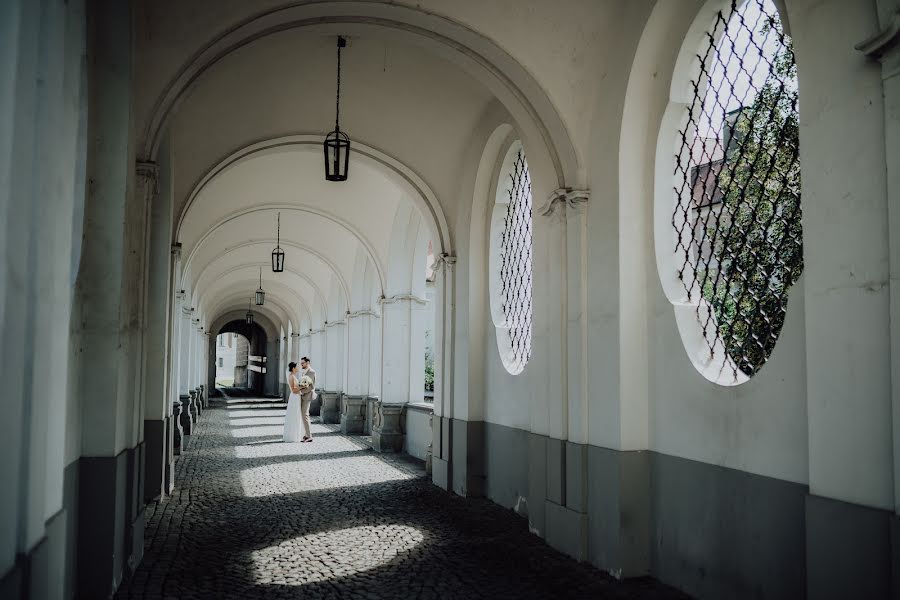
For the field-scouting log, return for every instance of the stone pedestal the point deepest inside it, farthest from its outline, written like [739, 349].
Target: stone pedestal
[176, 431]
[371, 401]
[204, 398]
[315, 407]
[331, 408]
[173, 434]
[387, 427]
[192, 407]
[187, 419]
[353, 414]
[198, 402]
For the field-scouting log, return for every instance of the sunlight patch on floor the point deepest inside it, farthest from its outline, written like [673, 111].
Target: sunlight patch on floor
[333, 554]
[244, 413]
[256, 421]
[309, 474]
[258, 431]
[275, 448]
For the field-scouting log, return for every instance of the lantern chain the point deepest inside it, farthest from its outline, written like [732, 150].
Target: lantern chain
[337, 108]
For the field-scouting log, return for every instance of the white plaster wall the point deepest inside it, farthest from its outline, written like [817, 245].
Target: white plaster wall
[418, 433]
[759, 426]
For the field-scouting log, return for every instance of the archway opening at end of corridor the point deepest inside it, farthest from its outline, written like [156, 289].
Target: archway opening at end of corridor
[240, 357]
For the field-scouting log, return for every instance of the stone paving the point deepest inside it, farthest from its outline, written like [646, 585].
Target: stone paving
[253, 517]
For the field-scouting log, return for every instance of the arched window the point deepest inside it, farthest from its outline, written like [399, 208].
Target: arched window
[511, 261]
[738, 242]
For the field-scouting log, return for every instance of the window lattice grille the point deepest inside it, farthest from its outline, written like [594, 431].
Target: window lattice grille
[516, 264]
[737, 216]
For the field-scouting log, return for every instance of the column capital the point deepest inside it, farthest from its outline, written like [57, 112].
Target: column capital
[884, 47]
[444, 260]
[176, 251]
[564, 197]
[148, 175]
[295, 335]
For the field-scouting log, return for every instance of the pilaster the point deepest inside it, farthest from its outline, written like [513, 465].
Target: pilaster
[403, 368]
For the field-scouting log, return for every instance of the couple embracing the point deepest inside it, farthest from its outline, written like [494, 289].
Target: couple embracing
[303, 392]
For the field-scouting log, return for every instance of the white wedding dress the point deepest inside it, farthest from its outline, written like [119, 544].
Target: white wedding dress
[292, 417]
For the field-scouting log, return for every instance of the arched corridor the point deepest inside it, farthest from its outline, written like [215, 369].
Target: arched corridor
[254, 518]
[604, 285]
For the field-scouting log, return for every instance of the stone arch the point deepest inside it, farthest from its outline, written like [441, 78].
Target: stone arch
[476, 54]
[186, 268]
[419, 191]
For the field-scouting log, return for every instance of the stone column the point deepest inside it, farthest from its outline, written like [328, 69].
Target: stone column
[184, 374]
[176, 363]
[334, 371]
[566, 505]
[281, 376]
[445, 353]
[295, 348]
[158, 449]
[318, 347]
[354, 406]
[108, 298]
[403, 367]
[403, 360]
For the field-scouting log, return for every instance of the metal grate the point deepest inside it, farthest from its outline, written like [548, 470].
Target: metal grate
[516, 264]
[739, 240]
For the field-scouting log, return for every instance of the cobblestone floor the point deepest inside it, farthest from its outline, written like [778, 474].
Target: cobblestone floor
[253, 517]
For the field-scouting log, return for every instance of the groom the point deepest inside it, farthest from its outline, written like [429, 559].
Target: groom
[307, 395]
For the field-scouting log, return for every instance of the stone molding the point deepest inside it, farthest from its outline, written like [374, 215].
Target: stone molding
[148, 175]
[333, 324]
[403, 298]
[363, 313]
[564, 197]
[444, 260]
[884, 47]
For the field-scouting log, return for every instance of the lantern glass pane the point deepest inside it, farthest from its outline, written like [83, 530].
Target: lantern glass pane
[337, 155]
[260, 297]
[278, 260]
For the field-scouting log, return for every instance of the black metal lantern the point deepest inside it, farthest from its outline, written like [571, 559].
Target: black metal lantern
[337, 143]
[249, 315]
[277, 257]
[260, 293]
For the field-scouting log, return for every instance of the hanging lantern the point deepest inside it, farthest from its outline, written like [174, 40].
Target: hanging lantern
[337, 143]
[277, 258]
[249, 315]
[260, 294]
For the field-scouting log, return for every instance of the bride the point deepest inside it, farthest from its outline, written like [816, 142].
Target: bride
[292, 418]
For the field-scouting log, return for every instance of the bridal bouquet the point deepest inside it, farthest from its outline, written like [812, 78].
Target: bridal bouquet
[305, 381]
